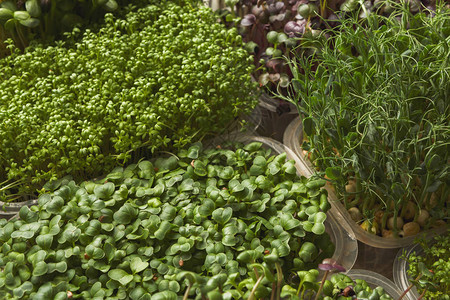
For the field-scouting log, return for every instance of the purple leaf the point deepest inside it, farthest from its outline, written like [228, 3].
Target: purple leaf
[339, 268]
[293, 28]
[279, 5]
[274, 64]
[325, 267]
[259, 12]
[279, 17]
[330, 264]
[275, 8]
[248, 20]
[272, 9]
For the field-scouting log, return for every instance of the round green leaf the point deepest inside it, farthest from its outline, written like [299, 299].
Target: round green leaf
[125, 214]
[31, 23]
[40, 269]
[207, 207]
[166, 295]
[21, 15]
[137, 265]
[6, 14]
[222, 215]
[33, 8]
[104, 191]
[121, 276]
[44, 241]
[164, 227]
[27, 215]
[25, 287]
[55, 205]
[272, 37]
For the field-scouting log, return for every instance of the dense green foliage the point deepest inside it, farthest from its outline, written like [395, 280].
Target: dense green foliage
[23, 21]
[343, 287]
[429, 268]
[159, 77]
[232, 221]
[375, 101]
[274, 29]
[339, 286]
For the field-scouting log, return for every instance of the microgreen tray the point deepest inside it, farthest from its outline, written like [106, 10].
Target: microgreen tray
[340, 233]
[8, 210]
[401, 278]
[346, 246]
[292, 139]
[374, 279]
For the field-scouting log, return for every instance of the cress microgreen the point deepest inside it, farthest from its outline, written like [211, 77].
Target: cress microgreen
[25, 21]
[157, 78]
[169, 231]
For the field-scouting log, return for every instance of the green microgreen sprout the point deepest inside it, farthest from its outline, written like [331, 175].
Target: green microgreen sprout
[150, 80]
[337, 287]
[328, 265]
[209, 223]
[428, 268]
[26, 21]
[423, 272]
[5, 188]
[303, 24]
[374, 124]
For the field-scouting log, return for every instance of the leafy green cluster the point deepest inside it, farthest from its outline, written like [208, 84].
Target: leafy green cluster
[159, 77]
[205, 222]
[434, 257]
[375, 100]
[275, 30]
[24, 21]
[339, 286]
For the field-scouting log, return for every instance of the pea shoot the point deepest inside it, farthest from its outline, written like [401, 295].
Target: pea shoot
[374, 106]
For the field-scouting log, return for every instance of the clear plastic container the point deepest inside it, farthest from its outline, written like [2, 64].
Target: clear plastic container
[272, 104]
[345, 242]
[292, 138]
[374, 279]
[252, 123]
[401, 278]
[275, 117]
[9, 210]
[214, 4]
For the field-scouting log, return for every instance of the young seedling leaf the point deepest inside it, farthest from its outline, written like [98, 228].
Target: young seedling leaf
[121, 276]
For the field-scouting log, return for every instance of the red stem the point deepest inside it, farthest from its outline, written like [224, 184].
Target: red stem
[321, 285]
[272, 296]
[279, 279]
[409, 288]
[421, 295]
